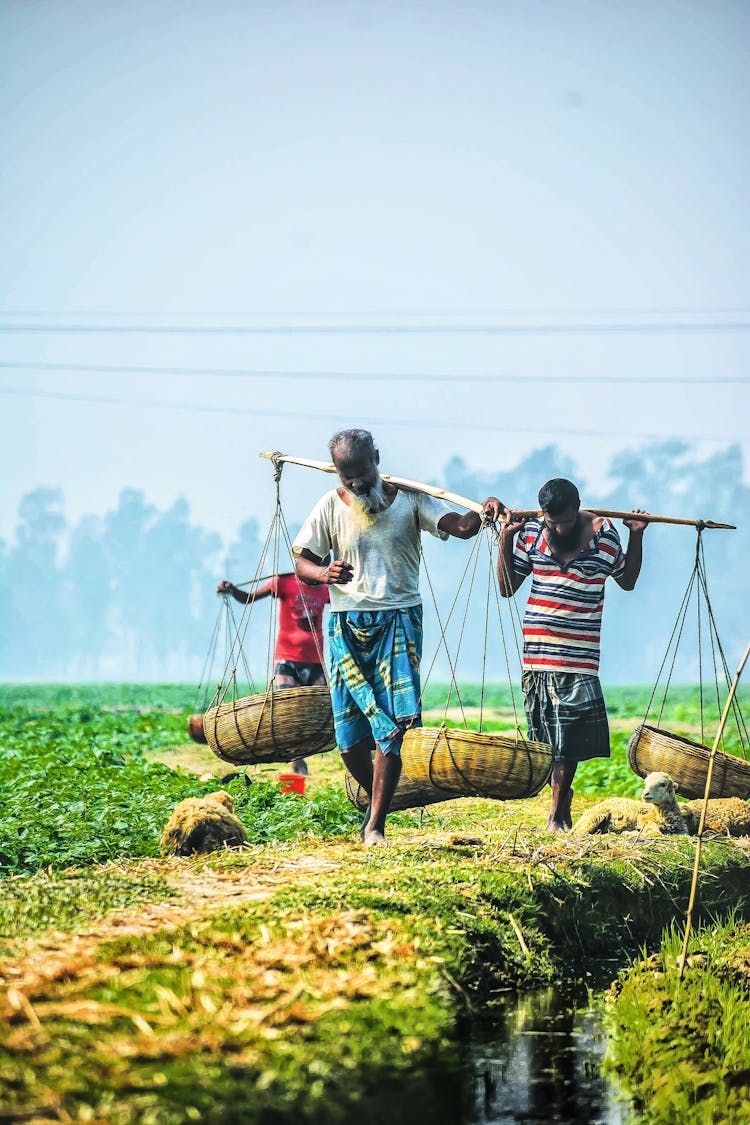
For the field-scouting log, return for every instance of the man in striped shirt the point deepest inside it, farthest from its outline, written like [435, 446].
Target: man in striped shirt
[570, 554]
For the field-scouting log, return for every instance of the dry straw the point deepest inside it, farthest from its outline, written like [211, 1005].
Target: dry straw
[651, 748]
[476, 764]
[275, 726]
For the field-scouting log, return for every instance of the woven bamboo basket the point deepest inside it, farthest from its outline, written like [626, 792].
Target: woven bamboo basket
[686, 762]
[476, 764]
[195, 728]
[277, 726]
[409, 794]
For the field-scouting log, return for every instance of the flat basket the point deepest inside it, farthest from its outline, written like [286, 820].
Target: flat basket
[275, 726]
[409, 794]
[471, 763]
[651, 748]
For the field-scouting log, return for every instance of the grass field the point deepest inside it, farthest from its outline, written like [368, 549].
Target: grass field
[305, 977]
[90, 773]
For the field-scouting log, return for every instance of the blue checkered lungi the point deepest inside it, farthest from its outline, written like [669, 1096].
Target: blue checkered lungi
[374, 680]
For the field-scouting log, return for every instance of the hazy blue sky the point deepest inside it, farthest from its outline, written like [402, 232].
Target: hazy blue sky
[527, 166]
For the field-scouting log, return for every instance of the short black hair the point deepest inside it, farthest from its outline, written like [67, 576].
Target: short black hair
[353, 439]
[557, 495]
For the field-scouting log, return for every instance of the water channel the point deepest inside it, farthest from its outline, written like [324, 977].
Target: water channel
[542, 1063]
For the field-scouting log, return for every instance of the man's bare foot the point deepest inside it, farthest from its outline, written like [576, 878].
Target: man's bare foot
[374, 839]
[365, 819]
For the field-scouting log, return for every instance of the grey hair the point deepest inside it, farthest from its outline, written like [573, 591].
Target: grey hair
[353, 439]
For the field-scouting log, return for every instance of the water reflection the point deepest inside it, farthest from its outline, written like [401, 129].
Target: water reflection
[542, 1063]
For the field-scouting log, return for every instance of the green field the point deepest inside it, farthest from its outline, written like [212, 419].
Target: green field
[305, 978]
[86, 771]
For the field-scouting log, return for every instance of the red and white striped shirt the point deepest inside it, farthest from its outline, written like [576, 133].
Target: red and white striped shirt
[563, 618]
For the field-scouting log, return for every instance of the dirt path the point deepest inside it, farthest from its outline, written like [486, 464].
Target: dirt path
[38, 962]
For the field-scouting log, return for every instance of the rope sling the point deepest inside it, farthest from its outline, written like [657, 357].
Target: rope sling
[653, 747]
[456, 758]
[279, 724]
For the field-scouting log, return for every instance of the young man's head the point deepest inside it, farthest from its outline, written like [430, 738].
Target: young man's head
[356, 459]
[560, 503]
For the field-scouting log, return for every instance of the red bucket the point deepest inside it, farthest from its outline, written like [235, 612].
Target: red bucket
[292, 782]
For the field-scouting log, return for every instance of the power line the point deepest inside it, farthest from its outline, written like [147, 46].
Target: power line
[383, 313]
[371, 376]
[445, 329]
[413, 423]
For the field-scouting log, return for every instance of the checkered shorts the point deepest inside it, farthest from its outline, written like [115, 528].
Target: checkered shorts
[567, 710]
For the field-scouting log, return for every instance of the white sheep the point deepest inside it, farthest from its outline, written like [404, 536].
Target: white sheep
[725, 816]
[657, 814]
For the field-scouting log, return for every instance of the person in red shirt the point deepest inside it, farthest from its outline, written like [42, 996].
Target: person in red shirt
[298, 655]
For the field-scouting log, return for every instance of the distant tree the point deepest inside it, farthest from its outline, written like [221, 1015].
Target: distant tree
[447, 565]
[5, 610]
[248, 557]
[516, 487]
[183, 562]
[163, 567]
[666, 478]
[243, 556]
[89, 594]
[38, 625]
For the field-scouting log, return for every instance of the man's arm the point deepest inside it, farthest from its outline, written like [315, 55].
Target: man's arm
[467, 525]
[311, 569]
[633, 554]
[243, 596]
[509, 579]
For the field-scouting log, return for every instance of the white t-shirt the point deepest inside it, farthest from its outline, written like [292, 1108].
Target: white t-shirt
[384, 557]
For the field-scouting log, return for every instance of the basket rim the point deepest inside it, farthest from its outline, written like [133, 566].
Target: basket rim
[285, 696]
[699, 748]
[480, 737]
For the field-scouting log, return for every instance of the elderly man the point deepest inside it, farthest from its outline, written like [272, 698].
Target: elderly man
[570, 554]
[371, 529]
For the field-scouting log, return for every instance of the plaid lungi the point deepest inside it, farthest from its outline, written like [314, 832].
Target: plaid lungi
[375, 687]
[567, 710]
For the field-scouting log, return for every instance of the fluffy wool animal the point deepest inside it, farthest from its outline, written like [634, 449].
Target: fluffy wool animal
[203, 824]
[726, 816]
[657, 814]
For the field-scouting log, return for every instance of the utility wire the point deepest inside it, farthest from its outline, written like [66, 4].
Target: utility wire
[413, 423]
[445, 329]
[242, 373]
[383, 313]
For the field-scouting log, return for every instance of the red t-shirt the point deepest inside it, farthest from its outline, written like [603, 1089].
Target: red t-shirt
[300, 619]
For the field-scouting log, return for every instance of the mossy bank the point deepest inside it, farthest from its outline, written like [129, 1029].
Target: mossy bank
[340, 982]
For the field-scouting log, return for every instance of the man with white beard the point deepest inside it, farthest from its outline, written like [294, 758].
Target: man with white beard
[371, 531]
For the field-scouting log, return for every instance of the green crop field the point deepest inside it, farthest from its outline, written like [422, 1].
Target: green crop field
[91, 773]
[306, 977]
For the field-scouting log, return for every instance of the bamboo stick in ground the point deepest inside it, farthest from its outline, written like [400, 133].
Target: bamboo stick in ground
[474, 506]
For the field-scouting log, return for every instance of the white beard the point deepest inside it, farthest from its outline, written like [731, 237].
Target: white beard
[364, 510]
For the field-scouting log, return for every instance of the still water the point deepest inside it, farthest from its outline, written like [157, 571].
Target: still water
[542, 1063]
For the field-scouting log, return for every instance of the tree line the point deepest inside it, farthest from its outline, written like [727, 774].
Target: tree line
[130, 595]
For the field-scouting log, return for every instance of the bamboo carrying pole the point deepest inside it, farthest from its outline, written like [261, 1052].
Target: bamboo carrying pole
[701, 825]
[473, 506]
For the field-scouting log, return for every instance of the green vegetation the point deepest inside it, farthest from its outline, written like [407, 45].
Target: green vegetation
[683, 1046]
[77, 788]
[322, 999]
[70, 900]
[329, 983]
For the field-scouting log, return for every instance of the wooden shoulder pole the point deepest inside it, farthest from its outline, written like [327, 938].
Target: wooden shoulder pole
[473, 506]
